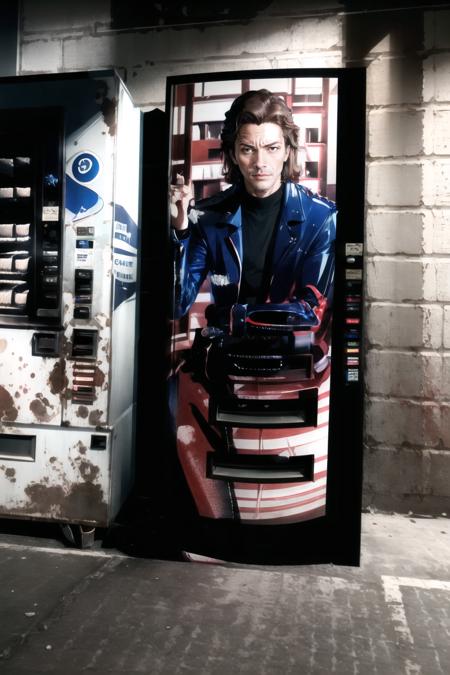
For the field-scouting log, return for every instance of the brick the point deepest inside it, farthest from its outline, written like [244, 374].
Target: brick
[436, 29]
[445, 389]
[394, 184]
[394, 80]
[437, 231]
[85, 53]
[47, 15]
[406, 374]
[395, 133]
[436, 77]
[395, 280]
[395, 232]
[439, 473]
[391, 325]
[445, 425]
[436, 182]
[447, 327]
[394, 422]
[41, 56]
[395, 471]
[435, 131]
[443, 280]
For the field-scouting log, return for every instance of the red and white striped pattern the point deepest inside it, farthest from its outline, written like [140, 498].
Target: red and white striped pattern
[267, 503]
[286, 502]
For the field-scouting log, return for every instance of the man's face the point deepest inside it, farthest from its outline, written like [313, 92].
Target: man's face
[260, 152]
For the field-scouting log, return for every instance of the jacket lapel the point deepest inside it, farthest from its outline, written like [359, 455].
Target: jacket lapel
[287, 237]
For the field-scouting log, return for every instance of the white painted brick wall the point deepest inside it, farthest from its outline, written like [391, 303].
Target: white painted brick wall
[408, 195]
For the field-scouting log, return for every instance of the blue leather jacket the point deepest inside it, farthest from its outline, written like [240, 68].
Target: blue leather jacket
[303, 252]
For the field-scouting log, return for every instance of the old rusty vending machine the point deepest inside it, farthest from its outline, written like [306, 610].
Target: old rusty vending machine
[69, 204]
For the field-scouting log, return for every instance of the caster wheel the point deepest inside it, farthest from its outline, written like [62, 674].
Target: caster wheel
[79, 536]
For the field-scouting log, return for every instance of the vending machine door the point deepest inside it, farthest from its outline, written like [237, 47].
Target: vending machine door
[266, 391]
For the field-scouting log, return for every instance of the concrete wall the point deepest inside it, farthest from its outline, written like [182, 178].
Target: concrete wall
[407, 54]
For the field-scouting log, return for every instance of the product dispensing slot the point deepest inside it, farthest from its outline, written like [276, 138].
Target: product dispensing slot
[83, 286]
[19, 447]
[300, 411]
[260, 468]
[84, 343]
[45, 344]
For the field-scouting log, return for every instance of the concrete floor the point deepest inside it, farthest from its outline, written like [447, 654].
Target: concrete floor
[68, 612]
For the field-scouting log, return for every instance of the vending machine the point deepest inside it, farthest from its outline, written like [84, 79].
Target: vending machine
[267, 409]
[69, 238]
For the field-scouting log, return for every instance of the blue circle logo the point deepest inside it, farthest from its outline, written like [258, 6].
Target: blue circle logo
[85, 167]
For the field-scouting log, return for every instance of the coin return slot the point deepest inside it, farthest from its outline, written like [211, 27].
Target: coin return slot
[98, 442]
[45, 344]
[84, 343]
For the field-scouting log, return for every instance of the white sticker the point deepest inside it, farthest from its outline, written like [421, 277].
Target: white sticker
[84, 258]
[352, 375]
[50, 213]
[353, 274]
[354, 249]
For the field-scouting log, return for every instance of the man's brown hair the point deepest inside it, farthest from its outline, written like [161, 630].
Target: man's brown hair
[258, 107]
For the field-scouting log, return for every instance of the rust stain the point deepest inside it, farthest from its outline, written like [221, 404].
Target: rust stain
[3, 345]
[39, 410]
[82, 411]
[95, 417]
[58, 380]
[107, 106]
[88, 471]
[82, 449]
[10, 475]
[83, 501]
[99, 377]
[8, 410]
[52, 459]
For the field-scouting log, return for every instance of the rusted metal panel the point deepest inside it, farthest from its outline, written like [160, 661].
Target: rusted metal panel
[66, 480]
[32, 387]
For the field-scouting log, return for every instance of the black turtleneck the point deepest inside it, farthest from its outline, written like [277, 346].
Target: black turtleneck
[259, 218]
